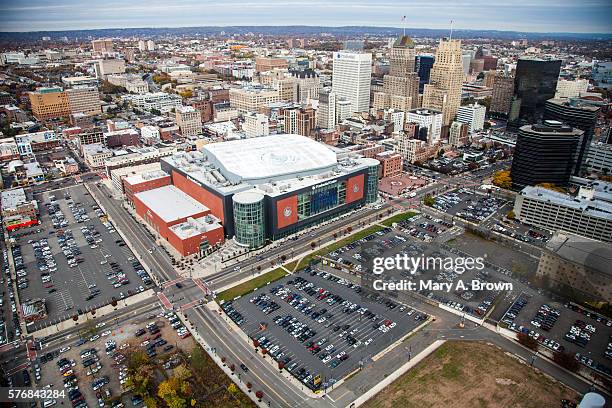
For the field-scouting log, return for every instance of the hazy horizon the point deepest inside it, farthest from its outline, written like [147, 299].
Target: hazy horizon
[537, 16]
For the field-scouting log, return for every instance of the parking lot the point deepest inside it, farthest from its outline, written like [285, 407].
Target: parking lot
[321, 327]
[389, 242]
[93, 370]
[74, 259]
[564, 327]
[470, 206]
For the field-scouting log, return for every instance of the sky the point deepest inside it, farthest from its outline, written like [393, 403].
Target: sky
[579, 16]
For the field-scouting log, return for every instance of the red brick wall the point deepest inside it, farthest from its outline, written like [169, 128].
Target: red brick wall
[200, 194]
[131, 189]
[192, 245]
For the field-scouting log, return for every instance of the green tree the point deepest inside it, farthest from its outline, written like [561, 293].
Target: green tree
[429, 200]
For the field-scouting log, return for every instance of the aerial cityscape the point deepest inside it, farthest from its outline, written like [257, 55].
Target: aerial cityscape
[333, 204]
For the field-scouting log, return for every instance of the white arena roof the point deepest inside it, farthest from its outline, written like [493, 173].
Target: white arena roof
[170, 203]
[270, 157]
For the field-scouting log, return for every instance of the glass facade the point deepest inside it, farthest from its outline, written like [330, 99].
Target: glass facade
[321, 199]
[249, 225]
[372, 184]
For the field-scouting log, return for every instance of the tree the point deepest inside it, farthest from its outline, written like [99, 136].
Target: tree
[502, 179]
[428, 200]
[567, 361]
[313, 245]
[551, 186]
[511, 215]
[232, 389]
[249, 386]
[168, 390]
[527, 341]
[259, 395]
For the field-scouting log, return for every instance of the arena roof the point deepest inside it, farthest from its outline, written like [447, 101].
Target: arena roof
[270, 157]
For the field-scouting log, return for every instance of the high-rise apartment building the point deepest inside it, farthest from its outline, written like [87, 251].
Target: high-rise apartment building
[546, 153]
[443, 92]
[142, 45]
[102, 46]
[401, 85]
[150, 45]
[189, 120]
[351, 78]
[473, 116]
[326, 112]
[501, 99]
[535, 82]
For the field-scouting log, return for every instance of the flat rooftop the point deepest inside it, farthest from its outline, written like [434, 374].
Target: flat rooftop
[170, 203]
[146, 176]
[594, 255]
[196, 226]
[11, 199]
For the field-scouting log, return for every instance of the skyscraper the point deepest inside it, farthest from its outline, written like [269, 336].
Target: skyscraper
[535, 82]
[443, 92]
[351, 78]
[422, 66]
[577, 113]
[102, 46]
[503, 86]
[546, 153]
[326, 112]
[401, 85]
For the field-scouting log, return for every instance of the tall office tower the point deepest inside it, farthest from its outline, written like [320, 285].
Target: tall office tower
[102, 46]
[443, 92]
[84, 99]
[489, 78]
[535, 82]
[501, 99]
[546, 153]
[142, 45]
[401, 85]
[422, 66]
[326, 112]
[351, 78]
[578, 113]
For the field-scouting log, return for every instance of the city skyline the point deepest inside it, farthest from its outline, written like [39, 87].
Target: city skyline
[539, 16]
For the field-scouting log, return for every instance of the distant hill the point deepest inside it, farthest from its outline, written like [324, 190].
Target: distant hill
[293, 31]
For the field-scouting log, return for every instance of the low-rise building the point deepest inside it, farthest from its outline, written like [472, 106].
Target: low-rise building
[95, 155]
[573, 263]
[160, 101]
[17, 210]
[8, 149]
[589, 214]
[599, 158]
[391, 164]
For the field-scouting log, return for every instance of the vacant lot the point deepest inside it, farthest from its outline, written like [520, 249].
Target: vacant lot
[467, 375]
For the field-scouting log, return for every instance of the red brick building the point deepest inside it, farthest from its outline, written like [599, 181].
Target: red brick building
[391, 164]
[144, 182]
[184, 222]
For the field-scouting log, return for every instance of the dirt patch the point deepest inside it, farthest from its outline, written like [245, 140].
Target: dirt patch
[467, 375]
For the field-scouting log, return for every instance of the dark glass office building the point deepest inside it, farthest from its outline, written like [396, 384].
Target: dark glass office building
[535, 81]
[422, 66]
[545, 153]
[578, 113]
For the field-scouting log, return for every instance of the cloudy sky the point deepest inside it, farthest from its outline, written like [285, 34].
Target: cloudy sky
[520, 15]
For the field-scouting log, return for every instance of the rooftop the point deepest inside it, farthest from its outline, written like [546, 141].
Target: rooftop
[11, 199]
[594, 255]
[170, 203]
[196, 226]
[146, 176]
[593, 207]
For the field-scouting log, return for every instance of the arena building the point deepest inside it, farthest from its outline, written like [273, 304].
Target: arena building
[265, 188]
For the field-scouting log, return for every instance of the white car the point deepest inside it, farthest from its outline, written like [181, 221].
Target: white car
[101, 324]
[106, 333]
[64, 349]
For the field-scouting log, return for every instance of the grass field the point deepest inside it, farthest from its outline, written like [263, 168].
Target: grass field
[249, 286]
[468, 375]
[398, 218]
